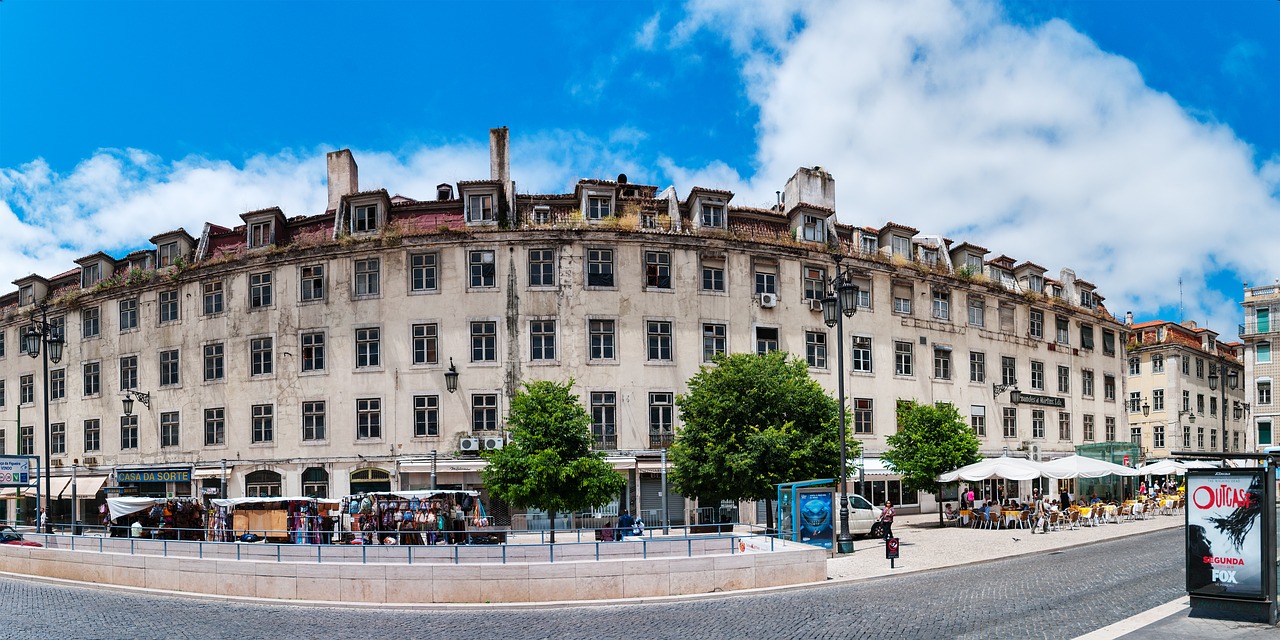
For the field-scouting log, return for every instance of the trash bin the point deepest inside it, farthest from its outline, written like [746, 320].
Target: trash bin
[77, 529]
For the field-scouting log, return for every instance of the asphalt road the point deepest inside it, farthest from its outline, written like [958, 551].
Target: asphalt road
[1059, 594]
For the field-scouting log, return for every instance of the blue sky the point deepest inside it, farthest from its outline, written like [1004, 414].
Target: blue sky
[1137, 143]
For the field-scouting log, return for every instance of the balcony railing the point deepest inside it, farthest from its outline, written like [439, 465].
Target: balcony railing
[605, 442]
[661, 440]
[1253, 327]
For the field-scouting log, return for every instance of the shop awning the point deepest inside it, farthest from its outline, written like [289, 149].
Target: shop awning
[875, 467]
[12, 493]
[85, 487]
[444, 466]
[215, 472]
[621, 462]
[58, 485]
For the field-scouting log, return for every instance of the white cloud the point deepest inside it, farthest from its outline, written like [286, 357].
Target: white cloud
[1029, 141]
[648, 33]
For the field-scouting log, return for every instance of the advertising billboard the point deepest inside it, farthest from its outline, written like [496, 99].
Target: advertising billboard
[1224, 533]
[15, 471]
[816, 527]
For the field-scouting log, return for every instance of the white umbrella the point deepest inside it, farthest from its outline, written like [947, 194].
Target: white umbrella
[1163, 468]
[1201, 464]
[1002, 467]
[1082, 467]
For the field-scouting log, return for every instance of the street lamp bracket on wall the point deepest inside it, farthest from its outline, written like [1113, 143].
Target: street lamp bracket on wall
[130, 395]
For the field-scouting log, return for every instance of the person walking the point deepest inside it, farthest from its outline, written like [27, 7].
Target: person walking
[1042, 516]
[886, 519]
[43, 524]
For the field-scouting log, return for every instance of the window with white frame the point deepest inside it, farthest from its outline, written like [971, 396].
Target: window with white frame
[1157, 436]
[484, 269]
[978, 420]
[368, 277]
[814, 228]
[364, 219]
[1064, 379]
[542, 268]
[766, 278]
[1157, 363]
[260, 234]
[815, 349]
[869, 244]
[713, 275]
[657, 270]
[903, 358]
[422, 272]
[426, 343]
[766, 340]
[90, 322]
[714, 340]
[484, 341]
[712, 216]
[815, 283]
[170, 429]
[1108, 387]
[1087, 427]
[368, 347]
[658, 333]
[900, 246]
[261, 357]
[480, 208]
[262, 423]
[1064, 426]
[1037, 424]
[601, 339]
[91, 274]
[977, 311]
[1009, 422]
[599, 267]
[92, 435]
[259, 290]
[1109, 423]
[542, 340]
[91, 373]
[1086, 383]
[902, 298]
[1063, 325]
[863, 416]
[604, 423]
[977, 366]
[213, 298]
[661, 419]
[1037, 375]
[1157, 399]
[311, 282]
[1035, 326]
[214, 362]
[599, 207]
[942, 363]
[313, 351]
[129, 432]
[426, 416]
[169, 368]
[941, 304]
[484, 412]
[860, 355]
[1264, 392]
[57, 384]
[168, 253]
[168, 305]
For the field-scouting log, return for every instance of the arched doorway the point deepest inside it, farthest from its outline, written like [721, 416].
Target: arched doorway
[315, 483]
[369, 480]
[263, 484]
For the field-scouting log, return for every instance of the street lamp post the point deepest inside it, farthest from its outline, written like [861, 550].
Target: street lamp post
[1218, 382]
[840, 302]
[41, 332]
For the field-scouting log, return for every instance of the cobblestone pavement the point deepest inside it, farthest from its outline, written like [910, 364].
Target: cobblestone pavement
[1060, 594]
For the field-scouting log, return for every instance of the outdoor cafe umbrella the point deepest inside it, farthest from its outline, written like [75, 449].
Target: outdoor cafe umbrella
[1082, 467]
[1002, 467]
[1163, 468]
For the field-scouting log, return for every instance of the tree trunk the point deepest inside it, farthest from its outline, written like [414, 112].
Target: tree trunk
[553, 525]
[941, 522]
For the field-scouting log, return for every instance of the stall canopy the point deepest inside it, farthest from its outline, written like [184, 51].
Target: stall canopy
[421, 494]
[1081, 467]
[121, 507]
[1163, 468]
[1002, 467]
[85, 487]
[237, 502]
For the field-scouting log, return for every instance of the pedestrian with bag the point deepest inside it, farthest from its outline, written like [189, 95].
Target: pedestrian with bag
[886, 519]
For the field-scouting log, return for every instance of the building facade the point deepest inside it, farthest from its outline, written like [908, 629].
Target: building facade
[1186, 390]
[316, 354]
[1259, 333]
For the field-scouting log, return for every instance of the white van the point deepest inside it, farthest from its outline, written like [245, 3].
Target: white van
[863, 517]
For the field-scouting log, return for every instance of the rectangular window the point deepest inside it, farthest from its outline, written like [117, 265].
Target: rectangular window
[1157, 400]
[1186, 401]
[426, 416]
[483, 268]
[766, 340]
[129, 432]
[92, 374]
[714, 341]
[128, 314]
[1135, 435]
[978, 420]
[312, 280]
[542, 268]
[1064, 426]
[1063, 325]
[815, 283]
[261, 360]
[215, 427]
[1135, 401]
[766, 278]
[168, 303]
[263, 423]
[941, 305]
[903, 358]
[1087, 426]
[598, 207]
[1135, 366]
[1086, 336]
[170, 429]
[860, 355]
[814, 229]
[1264, 434]
[364, 219]
[1110, 426]
[713, 275]
[426, 343]
[1009, 422]
[869, 244]
[661, 420]
[260, 234]
[900, 246]
[1064, 379]
[1109, 387]
[657, 270]
[90, 275]
[368, 347]
[659, 340]
[213, 298]
[977, 312]
[1186, 366]
[313, 421]
[422, 272]
[92, 435]
[815, 349]
[2, 400]
[368, 418]
[58, 438]
[1037, 376]
[1008, 371]
[259, 290]
[712, 216]
[368, 277]
[169, 368]
[1108, 343]
[484, 412]
[1157, 363]
[26, 441]
[1036, 324]
[1086, 383]
[602, 339]
[484, 342]
[480, 208]
[1157, 436]
[1263, 351]
[604, 425]
[27, 389]
[1200, 367]
[1200, 403]
[977, 366]
[942, 363]
[542, 340]
[58, 384]
[1006, 313]
[1037, 424]
[902, 298]
[600, 267]
[128, 372]
[1264, 393]
[313, 350]
[541, 214]
[863, 416]
[90, 323]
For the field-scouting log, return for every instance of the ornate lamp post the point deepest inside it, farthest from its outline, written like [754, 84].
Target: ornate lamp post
[840, 302]
[41, 332]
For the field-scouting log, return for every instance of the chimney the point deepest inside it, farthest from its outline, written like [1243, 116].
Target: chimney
[500, 156]
[813, 186]
[343, 176]
[1128, 318]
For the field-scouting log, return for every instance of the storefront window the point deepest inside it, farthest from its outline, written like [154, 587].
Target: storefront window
[263, 484]
[315, 483]
[367, 480]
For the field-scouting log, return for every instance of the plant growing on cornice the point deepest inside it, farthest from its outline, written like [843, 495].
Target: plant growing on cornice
[69, 298]
[109, 283]
[392, 234]
[140, 277]
[967, 273]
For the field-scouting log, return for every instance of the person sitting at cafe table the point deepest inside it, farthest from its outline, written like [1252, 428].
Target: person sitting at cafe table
[950, 513]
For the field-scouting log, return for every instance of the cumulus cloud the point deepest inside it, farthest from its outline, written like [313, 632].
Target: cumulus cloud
[1029, 140]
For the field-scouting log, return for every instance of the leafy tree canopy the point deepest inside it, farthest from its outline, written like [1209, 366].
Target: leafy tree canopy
[931, 440]
[549, 463]
[750, 422]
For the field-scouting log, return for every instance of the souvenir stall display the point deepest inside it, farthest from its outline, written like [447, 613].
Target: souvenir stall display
[157, 518]
[418, 517]
[298, 520]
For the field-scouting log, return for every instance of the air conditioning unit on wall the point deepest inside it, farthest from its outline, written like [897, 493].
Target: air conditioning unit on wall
[815, 305]
[768, 300]
[1035, 453]
[469, 444]
[493, 442]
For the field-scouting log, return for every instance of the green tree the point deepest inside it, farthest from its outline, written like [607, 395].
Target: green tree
[931, 440]
[750, 422]
[549, 463]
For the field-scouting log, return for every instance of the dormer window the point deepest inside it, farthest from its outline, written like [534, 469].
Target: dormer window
[598, 207]
[480, 208]
[541, 214]
[901, 246]
[90, 275]
[168, 253]
[1036, 283]
[712, 216]
[1086, 299]
[814, 228]
[973, 262]
[365, 219]
[930, 257]
[870, 244]
[260, 234]
[26, 296]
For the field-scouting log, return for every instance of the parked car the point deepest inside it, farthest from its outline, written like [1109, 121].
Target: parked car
[863, 517]
[9, 536]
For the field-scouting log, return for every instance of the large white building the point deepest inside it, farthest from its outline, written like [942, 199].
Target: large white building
[1260, 334]
[310, 354]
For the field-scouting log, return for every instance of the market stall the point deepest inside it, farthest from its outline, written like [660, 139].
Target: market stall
[159, 518]
[419, 517]
[296, 519]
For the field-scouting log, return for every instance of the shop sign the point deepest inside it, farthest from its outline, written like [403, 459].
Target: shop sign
[154, 475]
[15, 471]
[1224, 533]
[1017, 397]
